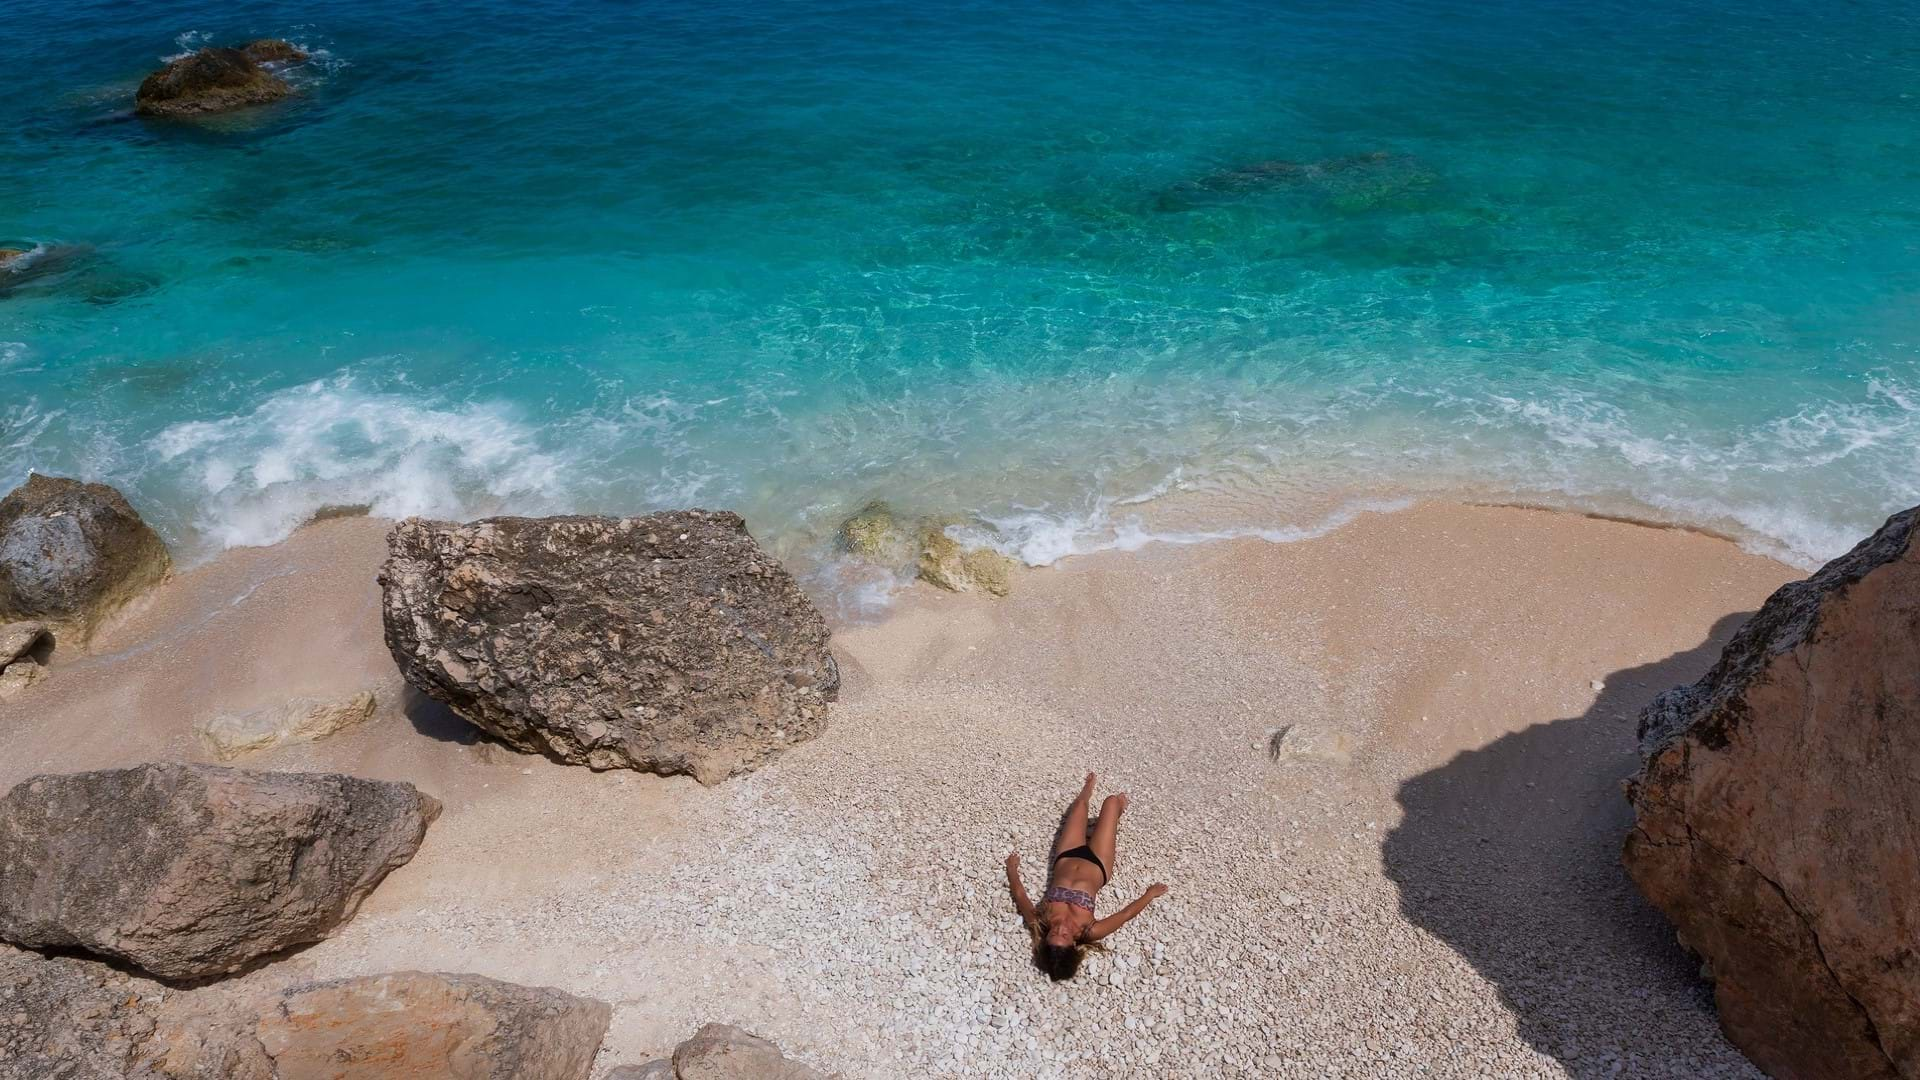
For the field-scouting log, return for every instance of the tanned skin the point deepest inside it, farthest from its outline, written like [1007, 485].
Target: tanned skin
[1066, 924]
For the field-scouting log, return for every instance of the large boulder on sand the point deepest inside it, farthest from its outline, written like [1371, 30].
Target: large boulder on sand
[401, 1024]
[216, 79]
[66, 1017]
[73, 553]
[669, 642]
[190, 871]
[1778, 819]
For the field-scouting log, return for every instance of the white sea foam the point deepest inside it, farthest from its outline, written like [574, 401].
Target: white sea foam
[259, 475]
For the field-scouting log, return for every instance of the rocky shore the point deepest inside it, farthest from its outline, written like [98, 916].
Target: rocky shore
[1380, 770]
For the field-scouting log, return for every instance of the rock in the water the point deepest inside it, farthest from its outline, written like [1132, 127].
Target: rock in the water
[669, 642]
[190, 871]
[7, 255]
[874, 534]
[1776, 819]
[413, 1023]
[73, 553]
[301, 720]
[215, 80]
[944, 562]
[273, 51]
[72, 1018]
[725, 1052]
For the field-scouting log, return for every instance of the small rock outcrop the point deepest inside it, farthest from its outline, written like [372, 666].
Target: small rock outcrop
[192, 871]
[945, 563]
[421, 1024]
[1776, 819]
[669, 642]
[66, 1017]
[230, 735]
[216, 80]
[721, 1052]
[876, 535]
[24, 648]
[72, 553]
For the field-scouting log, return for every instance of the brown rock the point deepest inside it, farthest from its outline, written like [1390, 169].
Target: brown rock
[72, 553]
[1778, 819]
[229, 735]
[209, 81]
[7, 255]
[24, 648]
[190, 871]
[417, 1024]
[725, 1052]
[70, 1018]
[669, 642]
[273, 51]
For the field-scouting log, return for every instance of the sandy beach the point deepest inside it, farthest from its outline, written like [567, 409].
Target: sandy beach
[1419, 878]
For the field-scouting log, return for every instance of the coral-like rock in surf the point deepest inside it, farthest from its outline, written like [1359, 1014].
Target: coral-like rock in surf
[669, 642]
[877, 536]
[216, 79]
[945, 563]
[874, 534]
[1778, 819]
[72, 553]
[191, 871]
[230, 735]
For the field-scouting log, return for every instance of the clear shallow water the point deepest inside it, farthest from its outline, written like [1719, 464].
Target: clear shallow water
[977, 258]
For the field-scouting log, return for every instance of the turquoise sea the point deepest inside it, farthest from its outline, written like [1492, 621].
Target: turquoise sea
[1092, 273]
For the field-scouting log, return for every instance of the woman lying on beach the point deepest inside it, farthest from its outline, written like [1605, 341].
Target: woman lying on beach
[1064, 925]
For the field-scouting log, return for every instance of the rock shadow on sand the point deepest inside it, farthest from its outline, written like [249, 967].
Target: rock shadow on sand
[1510, 854]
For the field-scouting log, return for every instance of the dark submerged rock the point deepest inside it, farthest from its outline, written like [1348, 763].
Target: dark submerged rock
[1776, 818]
[192, 871]
[670, 642]
[72, 553]
[216, 79]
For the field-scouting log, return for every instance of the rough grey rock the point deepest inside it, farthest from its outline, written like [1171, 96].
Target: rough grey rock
[72, 1019]
[216, 80]
[229, 735]
[669, 642]
[1776, 819]
[725, 1052]
[72, 553]
[190, 871]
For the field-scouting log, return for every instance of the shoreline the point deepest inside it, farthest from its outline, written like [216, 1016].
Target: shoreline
[1422, 881]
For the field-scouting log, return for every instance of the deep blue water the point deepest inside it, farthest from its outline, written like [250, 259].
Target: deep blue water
[1030, 263]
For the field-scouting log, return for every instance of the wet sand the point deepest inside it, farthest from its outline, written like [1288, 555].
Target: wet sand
[1419, 878]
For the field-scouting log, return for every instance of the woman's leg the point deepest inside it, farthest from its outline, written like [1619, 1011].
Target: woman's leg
[1107, 829]
[1073, 827]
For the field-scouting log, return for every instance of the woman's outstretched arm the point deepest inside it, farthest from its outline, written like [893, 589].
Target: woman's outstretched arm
[1020, 900]
[1120, 918]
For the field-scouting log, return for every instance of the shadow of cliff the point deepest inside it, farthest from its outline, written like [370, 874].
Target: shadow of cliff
[1510, 854]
